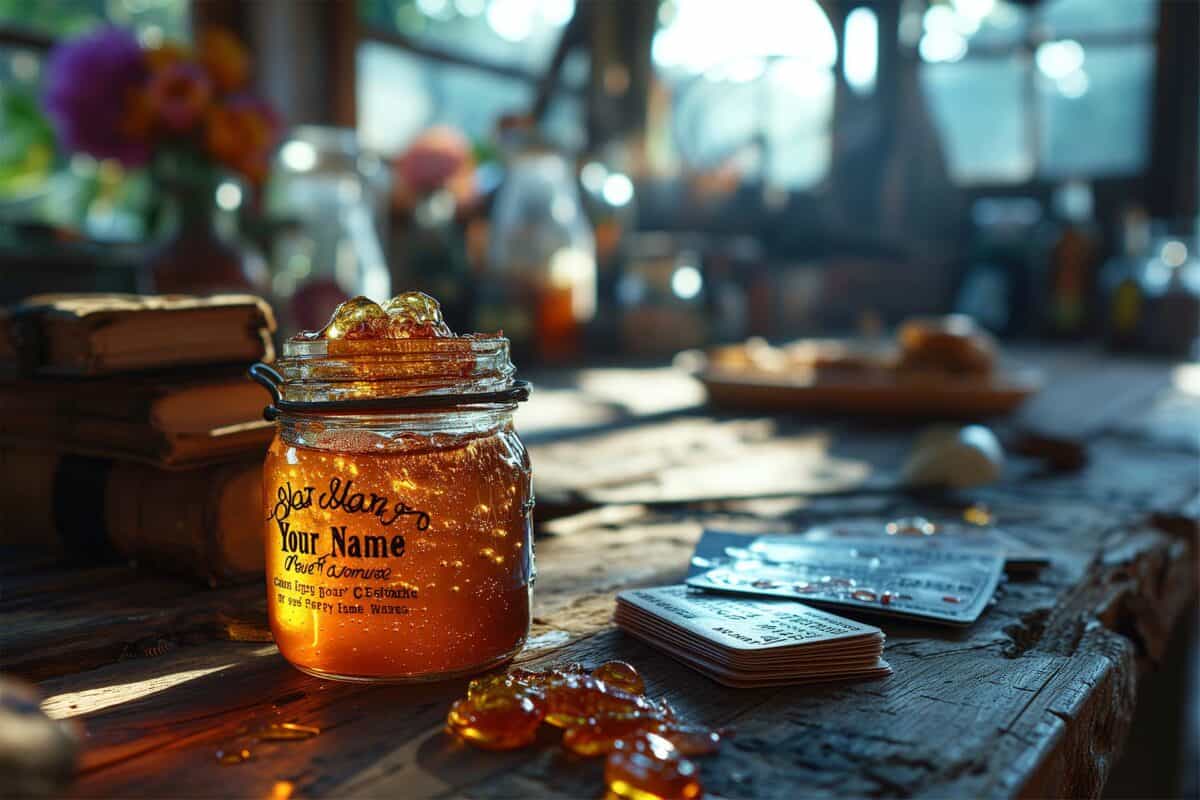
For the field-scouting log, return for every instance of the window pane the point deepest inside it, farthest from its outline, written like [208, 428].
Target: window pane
[696, 36]
[799, 115]
[1083, 17]
[979, 107]
[1109, 93]
[400, 94]
[515, 32]
[152, 19]
[1003, 22]
[714, 119]
[949, 29]
[755, 87]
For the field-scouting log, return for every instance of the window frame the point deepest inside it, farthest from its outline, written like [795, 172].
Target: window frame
[1025, 49]
[546, 85]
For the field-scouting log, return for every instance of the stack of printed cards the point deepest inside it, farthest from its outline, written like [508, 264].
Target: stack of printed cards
[923, 580]
[748, 643]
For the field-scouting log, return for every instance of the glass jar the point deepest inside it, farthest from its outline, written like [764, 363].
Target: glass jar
[327, 201]
[398, 505]
[540, 283]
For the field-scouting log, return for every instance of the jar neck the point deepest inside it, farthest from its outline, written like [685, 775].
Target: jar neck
[395, 432]
[321, 370]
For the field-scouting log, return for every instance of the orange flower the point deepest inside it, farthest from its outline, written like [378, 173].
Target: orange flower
[255, 167]
[180, 94]
[240, 134]
[222, 55]
[138, 120]
[167, 54]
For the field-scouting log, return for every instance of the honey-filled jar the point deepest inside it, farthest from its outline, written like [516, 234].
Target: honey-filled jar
[397, 497]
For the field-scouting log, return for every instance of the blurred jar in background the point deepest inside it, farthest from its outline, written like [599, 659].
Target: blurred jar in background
[662, 296]
[1171, 285]
[1074, 261]
[328, 198]
[609, 200]
[539, 285]
[1153, 293]
[1120, 282]
[434, 190]
[1009, 252]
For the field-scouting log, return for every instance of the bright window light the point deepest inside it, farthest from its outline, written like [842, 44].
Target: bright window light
[860, 59]
[1057, 60]
[686, 282]
[618, 189]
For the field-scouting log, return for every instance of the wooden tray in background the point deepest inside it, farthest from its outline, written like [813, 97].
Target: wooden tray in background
[872, 394]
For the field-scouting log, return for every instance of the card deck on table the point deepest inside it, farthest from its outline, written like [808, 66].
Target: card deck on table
[1019, 557]
[922, 580]
[745, 642]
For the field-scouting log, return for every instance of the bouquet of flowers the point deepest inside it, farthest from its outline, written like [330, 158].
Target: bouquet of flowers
[174, 108]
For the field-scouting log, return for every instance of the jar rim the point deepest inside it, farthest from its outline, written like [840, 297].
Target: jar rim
[318, 371]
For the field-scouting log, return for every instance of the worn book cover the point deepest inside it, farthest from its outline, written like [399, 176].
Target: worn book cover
[102, 334]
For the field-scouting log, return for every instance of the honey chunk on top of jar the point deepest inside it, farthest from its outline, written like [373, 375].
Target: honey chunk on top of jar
[411, 315]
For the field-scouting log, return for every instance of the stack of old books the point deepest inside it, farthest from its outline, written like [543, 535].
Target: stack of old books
[128, 427]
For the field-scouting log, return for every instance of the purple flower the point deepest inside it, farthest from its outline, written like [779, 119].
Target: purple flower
[88, 83]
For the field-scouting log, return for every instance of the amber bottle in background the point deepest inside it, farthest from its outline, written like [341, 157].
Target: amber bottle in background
[539, 285]
[1074, 262]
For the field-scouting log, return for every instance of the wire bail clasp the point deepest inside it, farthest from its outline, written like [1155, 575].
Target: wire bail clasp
[270, 379]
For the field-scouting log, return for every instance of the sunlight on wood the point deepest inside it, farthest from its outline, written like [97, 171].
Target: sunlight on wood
[89, 701]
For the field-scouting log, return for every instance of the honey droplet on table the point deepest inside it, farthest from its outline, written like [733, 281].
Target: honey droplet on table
[622, 675]
[576, 700]
[692, 740]
[287, 732]
[496, 719]
[648, 767]
[231, 757]
[979, 515]
[598, 739]
[910, 526]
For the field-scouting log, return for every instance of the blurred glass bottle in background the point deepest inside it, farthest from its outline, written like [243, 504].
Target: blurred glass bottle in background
[609, 199]
[328, 198]
[1120, 282]
[539, 285]
[1074, 260]
[1009, 249]
[1171, 286]
[1152, 291]
[662, 298]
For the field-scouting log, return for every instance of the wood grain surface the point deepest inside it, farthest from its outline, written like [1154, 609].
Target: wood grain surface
[1035, 699]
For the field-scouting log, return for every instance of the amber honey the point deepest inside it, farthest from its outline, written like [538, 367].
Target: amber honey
[398, 536]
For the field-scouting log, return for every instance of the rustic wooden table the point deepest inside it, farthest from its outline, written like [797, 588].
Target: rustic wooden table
[1034, 699]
